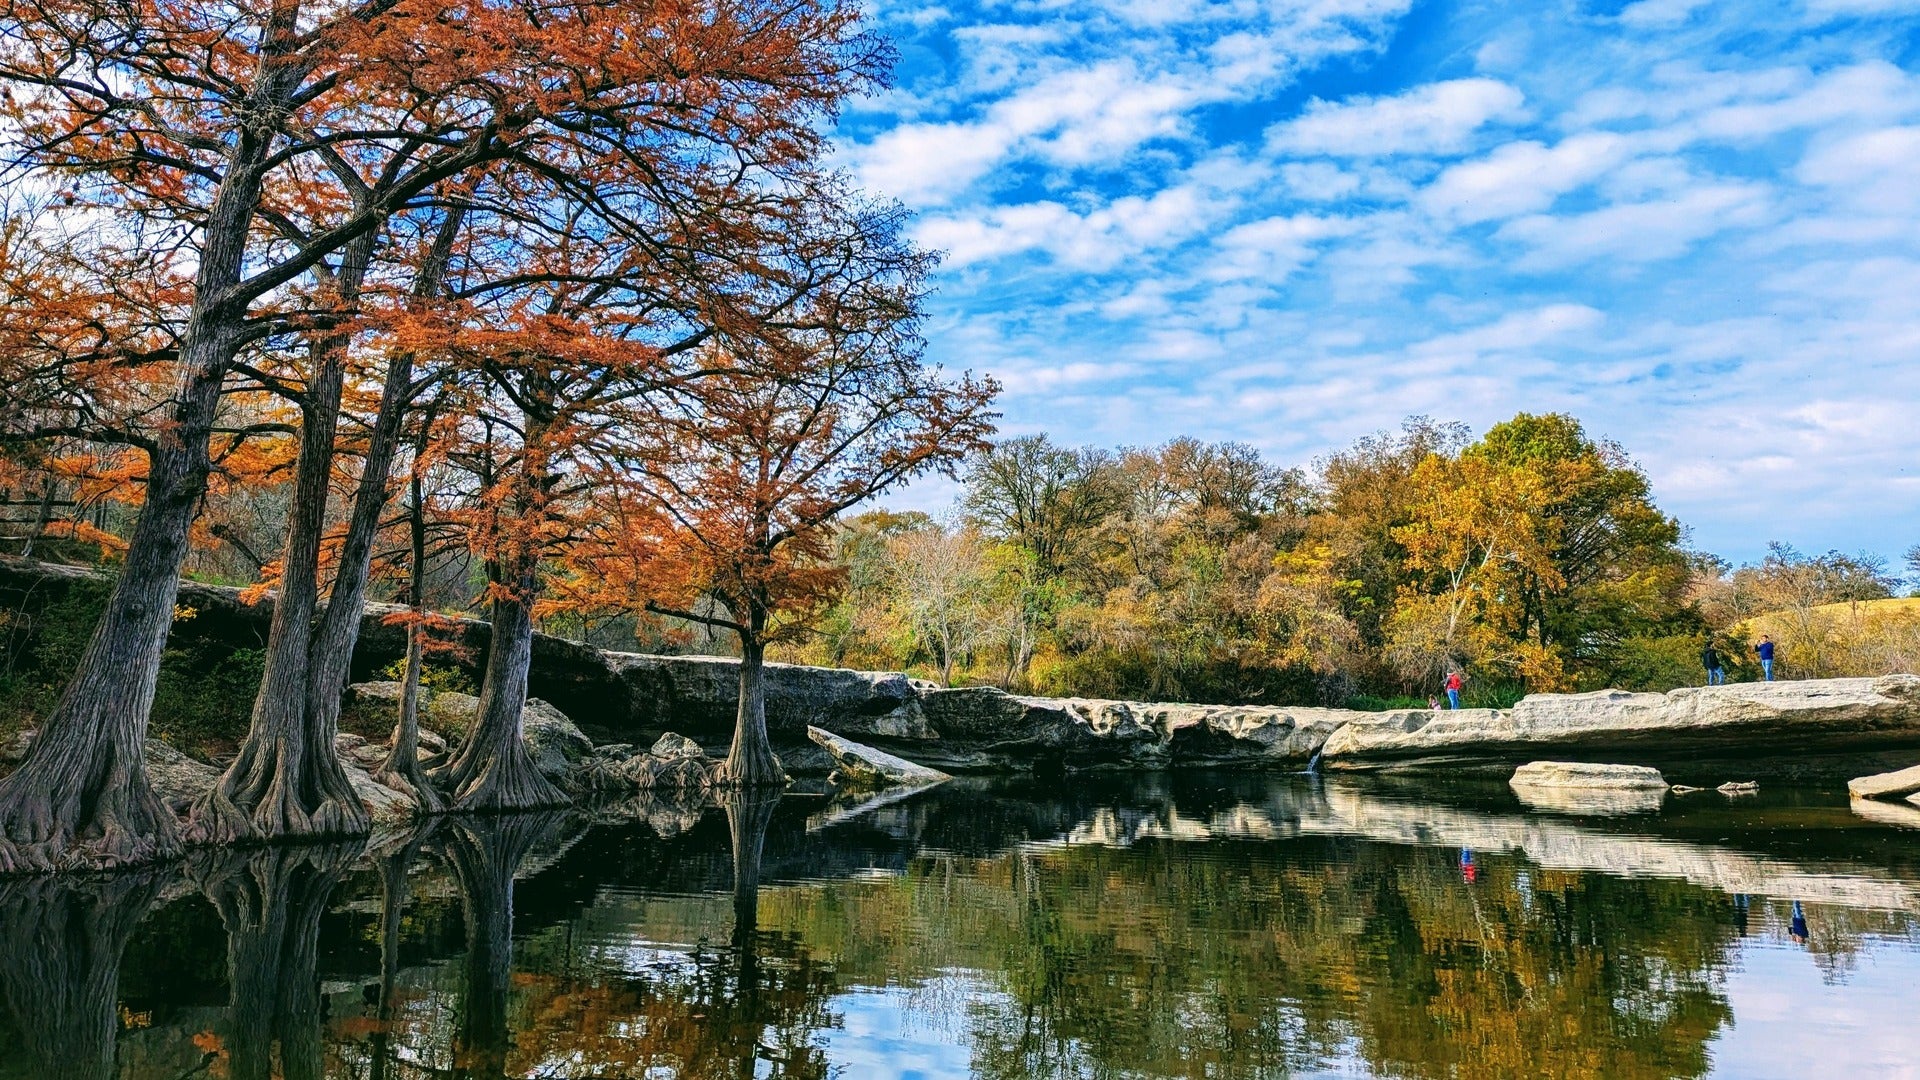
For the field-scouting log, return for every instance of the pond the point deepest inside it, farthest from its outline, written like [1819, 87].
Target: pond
[1184, 926]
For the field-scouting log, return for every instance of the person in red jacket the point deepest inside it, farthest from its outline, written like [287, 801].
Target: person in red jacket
[1455, 680]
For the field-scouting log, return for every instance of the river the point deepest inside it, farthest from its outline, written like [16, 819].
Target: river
[1183, 926]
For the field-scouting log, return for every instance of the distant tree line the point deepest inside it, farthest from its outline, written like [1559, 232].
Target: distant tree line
[1533, 558]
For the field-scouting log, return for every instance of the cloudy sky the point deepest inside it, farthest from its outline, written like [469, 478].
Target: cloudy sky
[1694, 224]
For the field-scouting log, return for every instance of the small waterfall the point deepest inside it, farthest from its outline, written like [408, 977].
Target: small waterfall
[1313, 764]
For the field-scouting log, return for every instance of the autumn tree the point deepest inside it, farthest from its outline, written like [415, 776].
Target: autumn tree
[274, 145]
[734, 490]
[1537, 551]
[1049, 499]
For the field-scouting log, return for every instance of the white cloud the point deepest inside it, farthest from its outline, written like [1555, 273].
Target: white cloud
[1522, 176]
[1877, 170]
[1638, 232]
[1436, 118]
[1273, 248]
[1648, 14]
[1318, 181]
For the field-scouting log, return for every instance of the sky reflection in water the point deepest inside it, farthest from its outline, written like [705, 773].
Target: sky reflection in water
[1197, 926]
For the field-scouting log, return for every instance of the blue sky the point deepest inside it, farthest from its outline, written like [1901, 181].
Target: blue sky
[1695, 225]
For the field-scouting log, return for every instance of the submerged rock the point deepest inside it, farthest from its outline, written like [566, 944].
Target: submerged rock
[1893, 785]
[864, 767]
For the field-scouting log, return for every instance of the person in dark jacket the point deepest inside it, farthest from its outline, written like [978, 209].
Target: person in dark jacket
[1765, 649]
[1710, 659]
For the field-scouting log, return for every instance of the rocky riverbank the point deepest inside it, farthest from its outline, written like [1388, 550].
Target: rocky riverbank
[1834, 728]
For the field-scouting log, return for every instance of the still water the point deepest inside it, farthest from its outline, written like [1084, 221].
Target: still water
[1197, 926]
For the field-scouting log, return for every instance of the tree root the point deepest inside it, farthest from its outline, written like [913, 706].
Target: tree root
[56, 818]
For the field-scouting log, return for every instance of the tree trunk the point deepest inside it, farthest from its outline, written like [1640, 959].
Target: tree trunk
[485, 854]
[287, 780]
[60, 967]
[271, 903]
[339, 631]
[41, 519]
[81, 799]
[751, 761]
[493, 770]
[402, 770]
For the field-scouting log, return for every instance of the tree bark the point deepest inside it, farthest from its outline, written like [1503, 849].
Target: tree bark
[271, 902]
[493, 770]
[751, 761]
[60, 967]
[402, 769]
[340, 626]
[81, 799]
[287, 780]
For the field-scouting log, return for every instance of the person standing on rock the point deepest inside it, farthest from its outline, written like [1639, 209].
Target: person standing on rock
[1765, 649]
[1710, 659]
[1456, 679]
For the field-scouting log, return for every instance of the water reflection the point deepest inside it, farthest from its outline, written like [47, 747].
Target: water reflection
[59, 969]
[1228, 928]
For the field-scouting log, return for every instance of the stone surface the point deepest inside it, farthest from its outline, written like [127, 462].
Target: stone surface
[1744, 720]
[672, 746]
[1587, 774]
[983, 728]
[177, 778]
[385, 805]
[555, 744]
[1893, 785]
[1581, 787]
[865, 767]
[700, 694]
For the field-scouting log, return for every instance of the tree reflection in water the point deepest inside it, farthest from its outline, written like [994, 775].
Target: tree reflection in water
[486, 851]
[61, 940]
[271, 901]
[1273, 936]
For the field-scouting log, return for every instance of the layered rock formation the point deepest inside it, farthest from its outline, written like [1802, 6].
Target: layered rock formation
[1892, 785]
[858, 767]
[1782, 720]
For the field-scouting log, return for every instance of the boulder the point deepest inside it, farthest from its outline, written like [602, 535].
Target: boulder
[864, 767]
[1742, 720]
[1586, 774]
[1579, 787]
[555, 744]
[673, 746]
[385, 806]
[451, 712]
[1893, 785]
[178, 779]
[675, 763]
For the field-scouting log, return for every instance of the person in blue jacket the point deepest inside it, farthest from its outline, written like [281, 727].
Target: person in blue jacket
[1765, 649]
